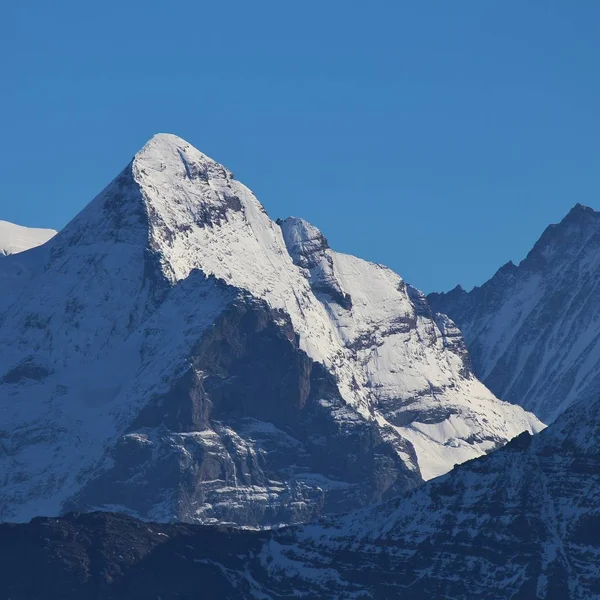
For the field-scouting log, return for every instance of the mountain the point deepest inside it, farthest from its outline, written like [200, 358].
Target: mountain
[533, 330]
[521, 523]
[173, 353]
[15, 238]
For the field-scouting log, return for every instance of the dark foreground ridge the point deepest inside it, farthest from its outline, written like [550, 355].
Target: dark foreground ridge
[111, 556]
[521, 523]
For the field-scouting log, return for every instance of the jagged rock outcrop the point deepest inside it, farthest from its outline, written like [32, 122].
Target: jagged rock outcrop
[533, 330]
[253, 432]
[173, 353]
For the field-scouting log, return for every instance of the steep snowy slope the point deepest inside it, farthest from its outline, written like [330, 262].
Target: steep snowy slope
[533, 330]
[15, 238]
[416, 365]
[521, 523]
[164, 356]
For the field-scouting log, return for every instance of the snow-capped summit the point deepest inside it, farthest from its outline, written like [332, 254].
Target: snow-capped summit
[308, 248]
[173, 352]
[533, 330]
[302, 238]
[16, 238]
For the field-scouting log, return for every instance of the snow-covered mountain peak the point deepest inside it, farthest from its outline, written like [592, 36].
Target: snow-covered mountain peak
[580, 210]
[533, 330]
[170, 302]
[168, 190]
[169, 153]
[305, 243]
[179, 204]
[301, 237]
[16, 238]
[199, 216]
[579, 227]
[310, 251]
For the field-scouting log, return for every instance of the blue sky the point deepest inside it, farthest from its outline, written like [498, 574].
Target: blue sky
[439, 138]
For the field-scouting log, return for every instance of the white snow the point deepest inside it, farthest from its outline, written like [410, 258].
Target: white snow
[16, 238]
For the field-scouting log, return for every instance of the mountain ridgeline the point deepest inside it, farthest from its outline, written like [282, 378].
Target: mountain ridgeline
[533, 330]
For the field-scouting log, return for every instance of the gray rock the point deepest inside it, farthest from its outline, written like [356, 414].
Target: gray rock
[533, 330]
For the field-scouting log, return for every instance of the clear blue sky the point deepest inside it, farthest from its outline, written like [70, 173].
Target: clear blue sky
[436, 137]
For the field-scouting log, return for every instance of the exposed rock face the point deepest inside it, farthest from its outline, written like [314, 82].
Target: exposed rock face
[254, 432]
[175, 354]
[520, 523]
[533, 330]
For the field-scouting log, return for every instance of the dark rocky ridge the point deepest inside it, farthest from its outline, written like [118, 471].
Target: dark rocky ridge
[104, 556]
[532, 330]
[521, 523]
